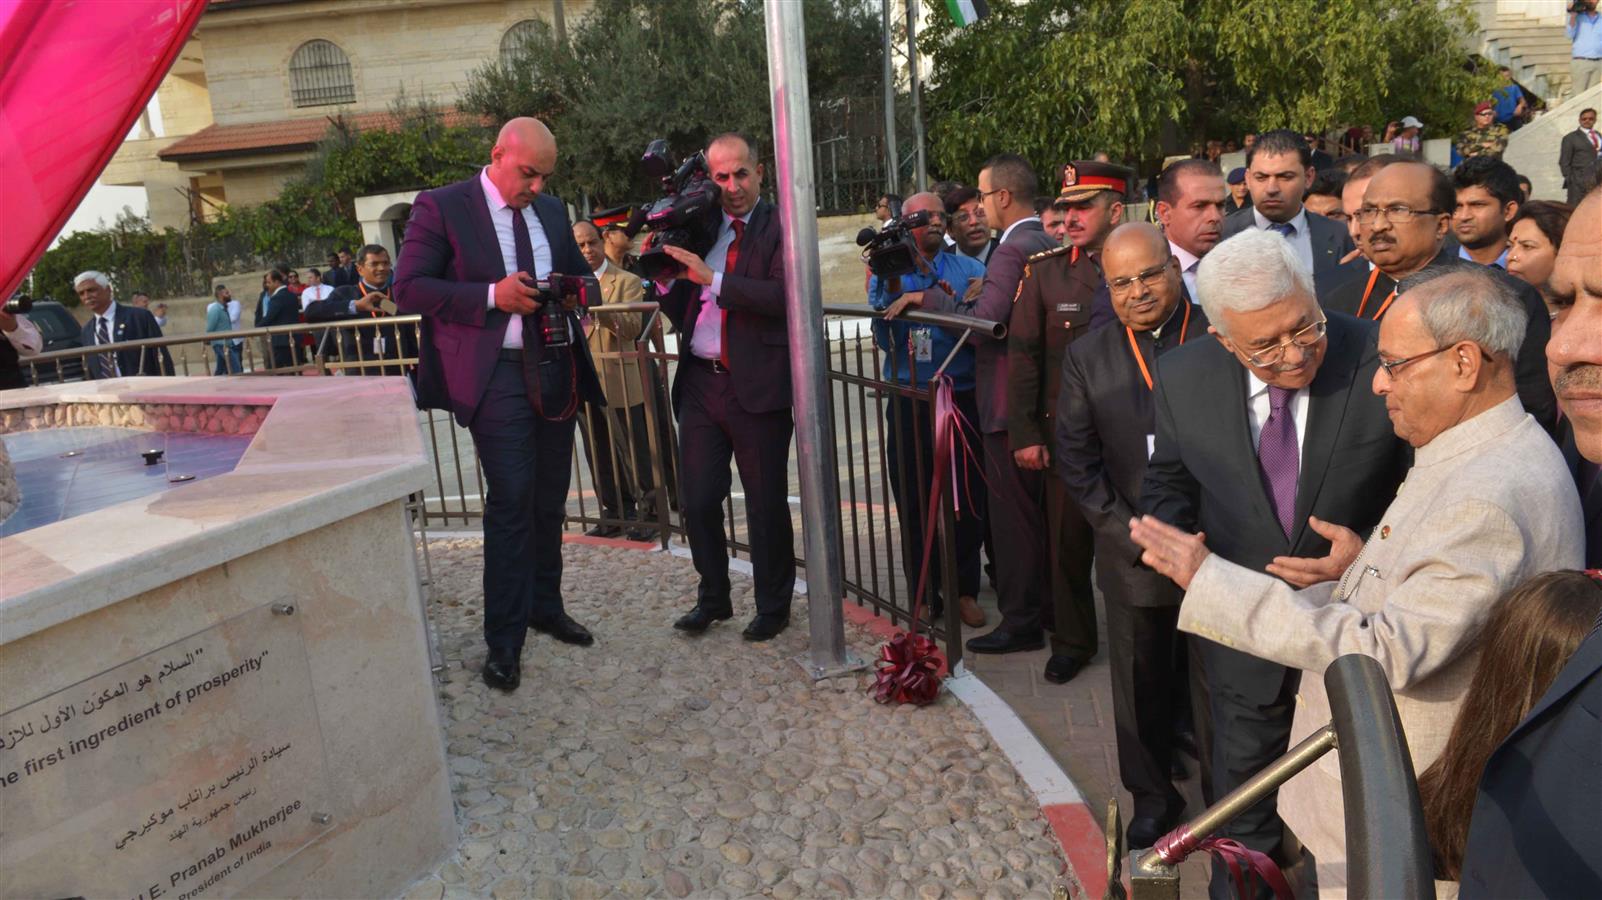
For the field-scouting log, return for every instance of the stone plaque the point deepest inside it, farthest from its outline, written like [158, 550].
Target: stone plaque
[188, 772]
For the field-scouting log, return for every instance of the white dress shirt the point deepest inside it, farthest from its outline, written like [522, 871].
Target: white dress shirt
[1187, 269]
[234, 312]
[707, 342]
[110, 315]
[25, 338]
[313, 293]
[1009, 229]
[501, 215]
[1258, 408]
[1301, 240]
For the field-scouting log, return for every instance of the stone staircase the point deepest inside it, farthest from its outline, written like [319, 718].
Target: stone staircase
[1536, 49]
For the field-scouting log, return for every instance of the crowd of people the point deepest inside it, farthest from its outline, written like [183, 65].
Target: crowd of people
[1377, 441]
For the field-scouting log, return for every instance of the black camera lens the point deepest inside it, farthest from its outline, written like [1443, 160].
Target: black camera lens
[19, 304]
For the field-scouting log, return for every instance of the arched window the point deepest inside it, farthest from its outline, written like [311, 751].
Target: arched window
[518, 35]
[319, 75]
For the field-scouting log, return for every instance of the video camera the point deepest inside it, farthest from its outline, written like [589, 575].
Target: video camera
[892, 251]
[685, 216]
[554, 329]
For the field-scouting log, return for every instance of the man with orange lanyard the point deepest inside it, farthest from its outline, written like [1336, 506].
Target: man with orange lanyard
[364, 299]
[1105, 425]
[1053, 307]
[1403, 222]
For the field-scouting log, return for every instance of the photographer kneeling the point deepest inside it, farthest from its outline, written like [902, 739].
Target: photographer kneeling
[913, 352]
[732, 392]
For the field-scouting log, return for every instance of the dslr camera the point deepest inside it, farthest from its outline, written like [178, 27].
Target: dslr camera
[892, 251]
[554, 331]
[19, 303]
[686, 214]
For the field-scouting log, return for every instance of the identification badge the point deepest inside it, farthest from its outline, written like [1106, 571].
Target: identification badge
[1068, 307]
[378, 346]
[922, 342]
[1151, 446]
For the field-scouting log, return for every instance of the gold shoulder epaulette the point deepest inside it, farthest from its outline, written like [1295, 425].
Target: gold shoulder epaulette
[1047, 254]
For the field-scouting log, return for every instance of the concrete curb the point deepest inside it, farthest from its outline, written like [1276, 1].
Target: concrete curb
[1077, 828]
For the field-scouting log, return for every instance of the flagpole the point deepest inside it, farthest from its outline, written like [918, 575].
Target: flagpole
[921, 175]
[803, 302]
[891, 156]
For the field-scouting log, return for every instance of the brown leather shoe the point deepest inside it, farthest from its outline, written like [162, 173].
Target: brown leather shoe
[972, 615]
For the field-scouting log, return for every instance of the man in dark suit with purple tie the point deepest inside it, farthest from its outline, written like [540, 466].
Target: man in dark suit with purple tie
[732, 393]
[472, 253]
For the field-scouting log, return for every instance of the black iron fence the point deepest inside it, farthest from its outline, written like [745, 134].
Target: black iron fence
[626, 462]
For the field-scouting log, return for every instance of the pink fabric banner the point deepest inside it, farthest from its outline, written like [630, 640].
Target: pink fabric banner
[76, 76]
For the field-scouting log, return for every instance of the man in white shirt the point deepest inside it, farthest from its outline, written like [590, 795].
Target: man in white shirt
[484, 359]
[315, 289]
[1190, 206]
[1279, 169]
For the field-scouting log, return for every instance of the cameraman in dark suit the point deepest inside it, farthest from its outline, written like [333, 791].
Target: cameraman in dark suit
[732, 393]
[473, 251]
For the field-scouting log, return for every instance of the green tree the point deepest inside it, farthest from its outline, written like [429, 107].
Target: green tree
[684, 70]
[1056, 80]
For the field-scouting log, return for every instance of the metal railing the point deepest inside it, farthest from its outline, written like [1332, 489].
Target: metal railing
[626, 464]
[1387, 847]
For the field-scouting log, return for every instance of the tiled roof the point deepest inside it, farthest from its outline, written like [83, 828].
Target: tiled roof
[280, 136]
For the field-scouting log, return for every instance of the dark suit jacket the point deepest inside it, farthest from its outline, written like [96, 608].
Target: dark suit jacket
[1052, 308]
[1534, 829]
[283, 308]
[447, 264]
[1203, 474]
[1331, 242]
[1577, 161]
[1588, 479]
[1535, 389]
[994, 303]
[356, 344]
[132, 324]
[1105, 416]
[758, 338]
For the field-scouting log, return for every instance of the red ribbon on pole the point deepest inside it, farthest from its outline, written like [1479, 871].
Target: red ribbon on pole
[1241, 861]
[909, 665]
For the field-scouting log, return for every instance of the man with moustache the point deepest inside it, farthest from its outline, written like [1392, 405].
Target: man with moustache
[1279, 169]
[1486, 504]
[1405, 218]
[732, 394]
[1543, 780]
[1268, 440]
[1190, 205]
[472, 254]
[1052, 309]
[1104, 429]
[364, 299]
[970, 228]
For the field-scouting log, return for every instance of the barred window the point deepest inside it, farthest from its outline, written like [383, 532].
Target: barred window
[319, 75]
[518, 35]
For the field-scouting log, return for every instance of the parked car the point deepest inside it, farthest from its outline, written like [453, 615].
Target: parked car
[60, 331]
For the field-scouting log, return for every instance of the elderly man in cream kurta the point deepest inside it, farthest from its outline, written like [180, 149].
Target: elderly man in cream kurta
[1487, 504]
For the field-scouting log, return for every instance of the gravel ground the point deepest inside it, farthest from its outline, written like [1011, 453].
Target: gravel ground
[655, 764]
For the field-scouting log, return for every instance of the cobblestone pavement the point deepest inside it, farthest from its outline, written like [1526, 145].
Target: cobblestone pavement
[656, 764]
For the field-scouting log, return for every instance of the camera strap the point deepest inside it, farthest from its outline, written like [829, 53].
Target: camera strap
[536, 355]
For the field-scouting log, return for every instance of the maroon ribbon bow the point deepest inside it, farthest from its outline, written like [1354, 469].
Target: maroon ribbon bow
[1241, 861]
[909, 664]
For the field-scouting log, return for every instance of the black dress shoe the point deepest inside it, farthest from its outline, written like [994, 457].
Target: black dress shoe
[502, 670]
[999, 641]
[1146, 830]
[645, 535]
[766, 626]
[565, 630]
[604, 531]
[701, 618]
[1061, 668]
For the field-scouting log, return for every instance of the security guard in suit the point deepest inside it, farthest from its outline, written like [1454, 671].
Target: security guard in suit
[1051, 310]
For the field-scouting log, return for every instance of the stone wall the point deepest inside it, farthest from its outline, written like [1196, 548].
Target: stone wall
[10, 493]
[193, 418]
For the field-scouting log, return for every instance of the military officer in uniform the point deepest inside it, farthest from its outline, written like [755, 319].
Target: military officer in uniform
[1051, 310]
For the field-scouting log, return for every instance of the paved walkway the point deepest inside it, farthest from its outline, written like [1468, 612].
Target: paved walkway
[1075, 723]
[654, 764]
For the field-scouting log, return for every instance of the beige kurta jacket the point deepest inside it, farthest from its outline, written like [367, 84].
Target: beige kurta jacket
[613, 334]
[1487, 504]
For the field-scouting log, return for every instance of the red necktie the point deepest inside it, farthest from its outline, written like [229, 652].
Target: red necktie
[728, 266]
[1595, 141]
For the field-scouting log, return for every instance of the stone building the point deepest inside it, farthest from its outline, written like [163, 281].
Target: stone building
[255, 87]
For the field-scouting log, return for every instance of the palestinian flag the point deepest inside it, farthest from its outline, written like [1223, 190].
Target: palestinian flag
[967, 12]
